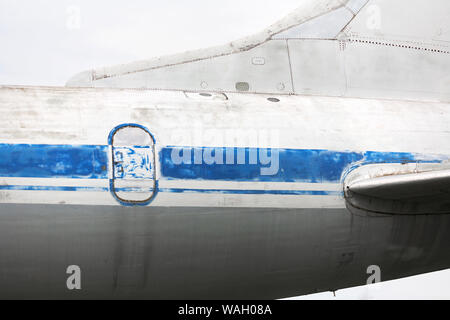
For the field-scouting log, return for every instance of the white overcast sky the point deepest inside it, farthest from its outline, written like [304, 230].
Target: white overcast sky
[41, 43]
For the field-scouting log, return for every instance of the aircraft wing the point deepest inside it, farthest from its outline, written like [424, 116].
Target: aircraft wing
[399, 189]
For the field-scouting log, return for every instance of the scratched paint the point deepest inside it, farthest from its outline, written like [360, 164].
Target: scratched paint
[255, 192]
[133, 163]
[175, 190]
[91, 162]
[309, 166]
[53, 161]
[71, 188]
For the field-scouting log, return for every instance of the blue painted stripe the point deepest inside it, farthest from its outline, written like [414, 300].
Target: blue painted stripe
[53, 161]
[53, 188]
[91, 162]
[175, 190]
[256, 192]
[308, 166]
[71, 189]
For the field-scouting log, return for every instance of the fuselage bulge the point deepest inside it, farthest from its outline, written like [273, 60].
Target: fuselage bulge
[179, 194]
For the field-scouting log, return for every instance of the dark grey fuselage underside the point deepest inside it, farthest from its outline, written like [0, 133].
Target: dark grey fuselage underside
[209, 253]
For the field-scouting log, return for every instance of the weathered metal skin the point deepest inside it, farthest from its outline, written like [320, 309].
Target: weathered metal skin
[208, 253]
[215, 228]
[248, 171]
[346, 48]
